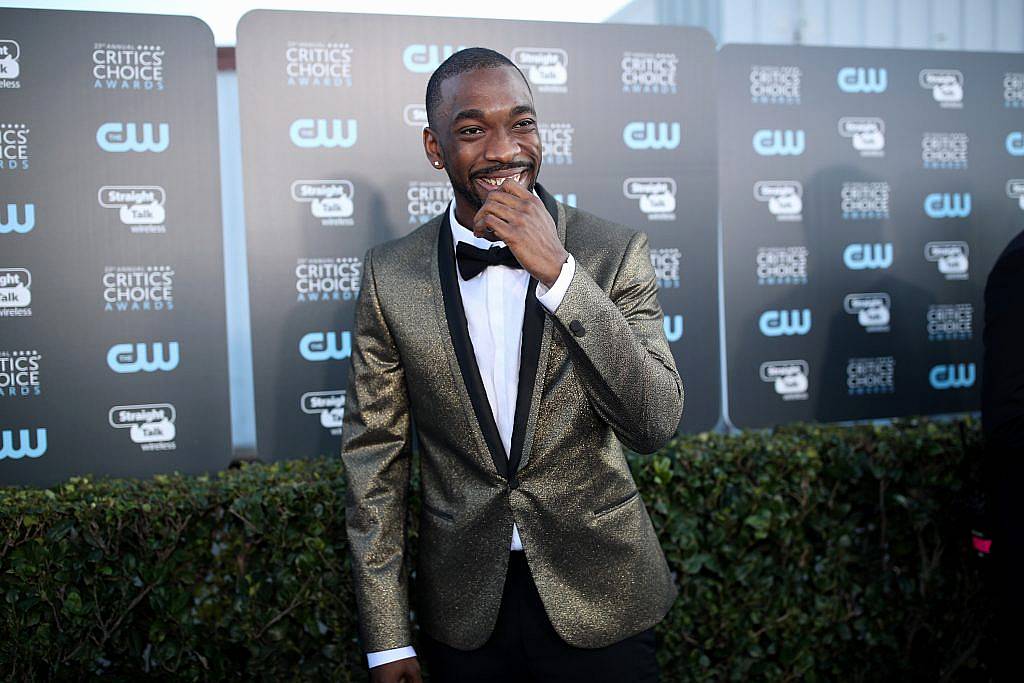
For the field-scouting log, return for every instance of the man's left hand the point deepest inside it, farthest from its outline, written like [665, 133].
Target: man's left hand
[519, 219]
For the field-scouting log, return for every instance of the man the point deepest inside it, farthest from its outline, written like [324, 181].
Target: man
[523, 341]
[1002, 414]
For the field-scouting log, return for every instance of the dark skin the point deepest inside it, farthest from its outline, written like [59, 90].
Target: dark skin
[487, 131]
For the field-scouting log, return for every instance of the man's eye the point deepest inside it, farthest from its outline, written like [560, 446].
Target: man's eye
[525, 123]
[470, 130]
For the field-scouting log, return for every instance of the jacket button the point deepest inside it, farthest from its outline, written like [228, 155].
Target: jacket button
[576, 327]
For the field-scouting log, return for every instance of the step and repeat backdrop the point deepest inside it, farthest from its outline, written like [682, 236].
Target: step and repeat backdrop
[113, 355]
[332, 109]
[866, 194]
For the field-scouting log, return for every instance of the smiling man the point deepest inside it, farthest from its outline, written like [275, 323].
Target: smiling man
[523, 341]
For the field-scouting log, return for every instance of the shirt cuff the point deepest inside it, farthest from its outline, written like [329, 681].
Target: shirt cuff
[551, 298]
[387, 656]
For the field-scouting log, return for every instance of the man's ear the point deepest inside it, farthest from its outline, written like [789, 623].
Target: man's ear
[432, 147]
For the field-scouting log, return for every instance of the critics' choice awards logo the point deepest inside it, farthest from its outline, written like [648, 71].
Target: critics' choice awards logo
[330, 201]
[656, 196]
[556, 141]
[423, 59]
[19, 373]
[649, 73]
[869, 376]
[774, 142]
[665, 262]
[950, 322]
[318, 64]
[872, 310]
[115, 136]
[426, 199]
[860, 79]
[864, 201]
[673, 325]
[1014, 143]
[951, 258]
[952, 376]
[326, 133]
[142, 357]
[642, 135]
[944, 150]
[138, 288]
[947, 86]
[140, 207]
[781, 265]
[323, 346]
[784, 198]
[775, 84]
[866, 134]
[14, 141]
[22, 443]
[787, 377]
[785, 323]
[329, 405]
[415, 115]
[1015, 190]
[15, 293]
[328, 279]
[948, 205]
[10, 68]
[127, 67]
[1013, 90]
[547, 68]
[18, 220]
[150, 425]
[868, 256]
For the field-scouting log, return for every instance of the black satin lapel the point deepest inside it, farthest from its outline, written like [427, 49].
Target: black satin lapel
[529, 355]
[458, 327]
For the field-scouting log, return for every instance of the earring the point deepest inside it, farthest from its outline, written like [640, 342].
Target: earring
[437, 164]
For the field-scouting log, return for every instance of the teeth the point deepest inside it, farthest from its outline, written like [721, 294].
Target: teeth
[498, 182]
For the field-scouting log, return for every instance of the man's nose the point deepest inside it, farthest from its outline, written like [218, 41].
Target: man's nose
[501, 147]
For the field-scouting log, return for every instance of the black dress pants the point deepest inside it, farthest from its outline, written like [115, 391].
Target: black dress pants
[525, 648]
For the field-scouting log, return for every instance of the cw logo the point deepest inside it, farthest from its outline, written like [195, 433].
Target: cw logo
[423, 59]
[875, 256]
[24, 447]
[1015, 144]
[126, 358]
[114, 136]
[673, 327]
[567, 199]
[788, 323]
[787, 142]
[952, 376]
[310, 133]
[651, 135]
[948, 205]
[862, 80]
[12, 224]
[318, 346]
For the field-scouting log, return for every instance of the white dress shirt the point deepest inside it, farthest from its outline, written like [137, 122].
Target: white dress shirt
[495, 302]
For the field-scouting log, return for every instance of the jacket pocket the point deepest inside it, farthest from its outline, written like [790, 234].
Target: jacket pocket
[601, 511]
[438, 513]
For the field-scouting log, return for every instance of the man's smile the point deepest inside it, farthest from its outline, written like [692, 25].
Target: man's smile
[492, 180]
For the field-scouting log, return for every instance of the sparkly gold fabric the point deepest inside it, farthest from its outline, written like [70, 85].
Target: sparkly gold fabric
[606, 376]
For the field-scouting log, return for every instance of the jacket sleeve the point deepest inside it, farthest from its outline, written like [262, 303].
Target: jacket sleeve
[376, 453]
[617, 344]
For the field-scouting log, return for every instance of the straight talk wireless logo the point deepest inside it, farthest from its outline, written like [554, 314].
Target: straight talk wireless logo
[10, 66]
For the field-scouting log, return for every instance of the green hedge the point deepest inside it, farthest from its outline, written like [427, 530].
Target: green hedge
[810, 553]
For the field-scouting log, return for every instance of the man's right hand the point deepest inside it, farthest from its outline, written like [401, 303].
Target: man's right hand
[399, 671]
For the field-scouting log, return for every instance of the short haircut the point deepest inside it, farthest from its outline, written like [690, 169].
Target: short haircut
[470, 59]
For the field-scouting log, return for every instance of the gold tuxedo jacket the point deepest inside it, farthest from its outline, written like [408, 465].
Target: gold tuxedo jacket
[595, 374]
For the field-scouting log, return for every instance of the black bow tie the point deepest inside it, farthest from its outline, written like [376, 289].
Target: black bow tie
[472, 260]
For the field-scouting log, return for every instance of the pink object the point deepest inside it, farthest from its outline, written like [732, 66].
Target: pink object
[982, 545]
